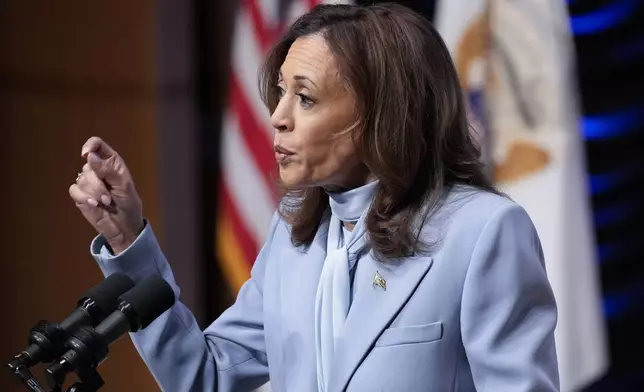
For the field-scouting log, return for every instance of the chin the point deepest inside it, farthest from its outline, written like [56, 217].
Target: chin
[292, 178]
[291, 182]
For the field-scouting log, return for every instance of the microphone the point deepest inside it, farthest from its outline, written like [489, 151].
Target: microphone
[88, 347]
[47, 340]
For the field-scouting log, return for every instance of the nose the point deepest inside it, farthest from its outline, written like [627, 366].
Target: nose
[282, 118]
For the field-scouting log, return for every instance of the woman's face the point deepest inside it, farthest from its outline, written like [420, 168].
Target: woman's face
[315, 106]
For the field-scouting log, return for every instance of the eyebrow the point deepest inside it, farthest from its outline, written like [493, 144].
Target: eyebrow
[299, 78]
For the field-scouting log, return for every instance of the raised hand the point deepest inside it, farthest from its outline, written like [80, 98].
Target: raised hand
[105, 194]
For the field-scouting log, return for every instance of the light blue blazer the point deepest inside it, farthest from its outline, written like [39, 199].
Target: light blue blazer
[477, 314]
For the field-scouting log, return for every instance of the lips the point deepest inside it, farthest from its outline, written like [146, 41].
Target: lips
[282, 155]
[281, 150]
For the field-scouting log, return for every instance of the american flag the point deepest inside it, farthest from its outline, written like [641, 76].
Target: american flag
[247, 193]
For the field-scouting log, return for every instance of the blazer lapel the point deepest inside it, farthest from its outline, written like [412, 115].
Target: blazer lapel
[373, 309]
[300, 270]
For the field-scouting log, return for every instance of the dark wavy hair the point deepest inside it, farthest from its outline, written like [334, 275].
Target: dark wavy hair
[413, 133]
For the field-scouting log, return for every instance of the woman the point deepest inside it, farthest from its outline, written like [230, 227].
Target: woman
[392, 263]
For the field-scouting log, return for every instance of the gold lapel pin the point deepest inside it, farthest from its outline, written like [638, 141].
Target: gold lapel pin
[379, 281]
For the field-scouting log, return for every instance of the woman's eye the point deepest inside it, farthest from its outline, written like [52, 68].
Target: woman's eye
[305, 101]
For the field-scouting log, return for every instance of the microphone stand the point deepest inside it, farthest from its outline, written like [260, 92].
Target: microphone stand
[90, 381]
[21, 371]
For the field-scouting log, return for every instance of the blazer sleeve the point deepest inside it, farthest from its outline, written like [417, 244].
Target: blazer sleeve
[227, 356]
[508, 310]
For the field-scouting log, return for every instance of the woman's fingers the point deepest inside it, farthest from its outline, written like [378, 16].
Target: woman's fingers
[86, 204]
[97, 145]
[106, 196]
[81, 197]
[94, 213]
[90, 184]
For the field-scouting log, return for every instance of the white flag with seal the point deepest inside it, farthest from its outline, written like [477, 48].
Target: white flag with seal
[520, 55]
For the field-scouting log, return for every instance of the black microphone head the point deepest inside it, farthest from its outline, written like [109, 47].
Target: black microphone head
[106, 294]
[149, 299]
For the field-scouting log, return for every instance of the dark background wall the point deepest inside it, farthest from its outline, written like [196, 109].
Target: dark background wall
[609, 37]
[68, 70]
[149, 77]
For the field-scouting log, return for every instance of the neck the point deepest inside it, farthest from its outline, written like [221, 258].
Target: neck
[352, 183]
[349, 225]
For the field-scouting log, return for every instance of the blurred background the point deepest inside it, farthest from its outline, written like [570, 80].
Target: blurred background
[555, 96]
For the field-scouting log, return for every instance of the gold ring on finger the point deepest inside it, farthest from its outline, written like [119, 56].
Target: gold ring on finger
[78, 177]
